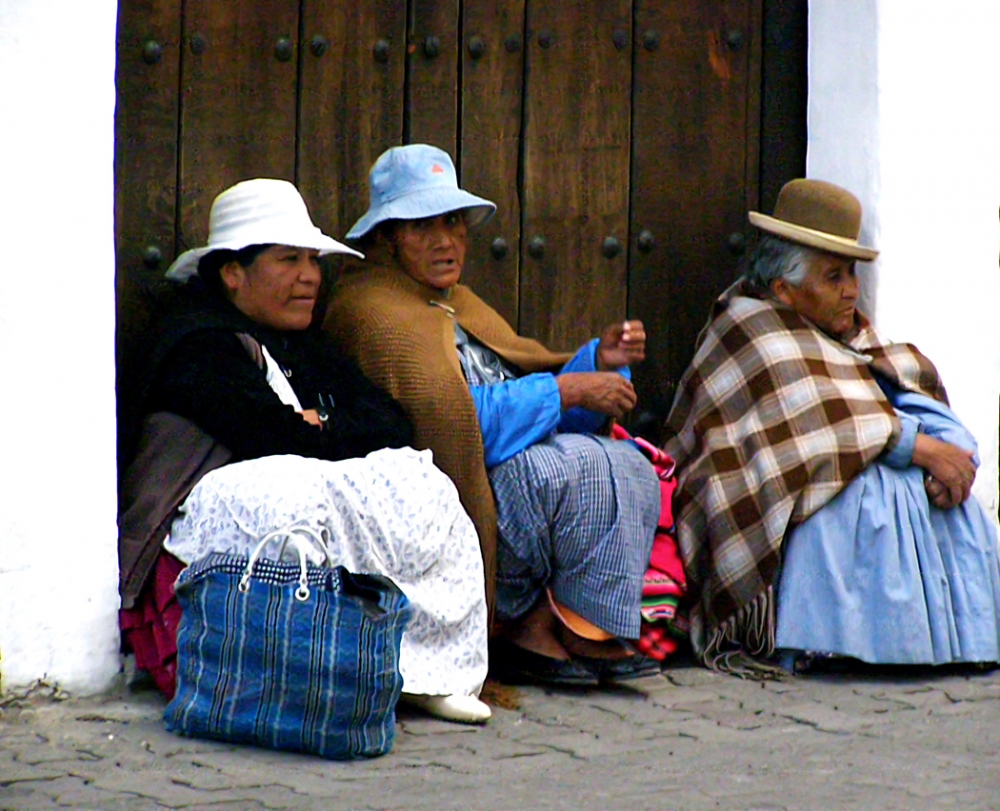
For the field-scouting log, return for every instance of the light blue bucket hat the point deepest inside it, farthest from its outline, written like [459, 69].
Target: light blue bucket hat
[413, 182]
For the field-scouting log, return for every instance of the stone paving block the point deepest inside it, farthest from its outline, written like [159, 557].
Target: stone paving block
[568, 710]
[745, 721]
[646, 686]
[249, 805]
[88, 798]
[432, 726]
[953, 708]
[694, 677]
[972, 691]
[38, 755]
[683, 698]
[173, 792]
[27, 773]
[707, 731]
[454, 759]
[921, 699]
[826, 719]
[584, 745]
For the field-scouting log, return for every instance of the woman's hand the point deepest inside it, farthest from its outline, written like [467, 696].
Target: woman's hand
[311, 415]
[950, 471]
[620, 345]
[604, 392]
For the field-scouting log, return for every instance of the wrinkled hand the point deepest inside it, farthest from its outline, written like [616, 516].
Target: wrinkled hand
[950, 471]
[620, 345]
[604, 392]
[311, 415]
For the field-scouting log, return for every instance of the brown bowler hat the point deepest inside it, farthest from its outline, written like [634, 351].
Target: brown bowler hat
[819, 215]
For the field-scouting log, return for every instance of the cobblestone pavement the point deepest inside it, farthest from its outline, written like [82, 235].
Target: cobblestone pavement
[692, 739]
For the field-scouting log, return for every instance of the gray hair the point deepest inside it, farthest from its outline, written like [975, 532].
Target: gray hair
[774, 259]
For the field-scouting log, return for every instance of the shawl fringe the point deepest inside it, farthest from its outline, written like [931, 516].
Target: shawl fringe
[742, 643]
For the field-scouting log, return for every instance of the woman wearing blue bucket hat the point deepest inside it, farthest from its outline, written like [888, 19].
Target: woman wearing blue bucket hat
[566, 518]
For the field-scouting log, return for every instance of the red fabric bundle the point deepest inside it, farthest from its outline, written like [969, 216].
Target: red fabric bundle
[150, 628]
[664, 584]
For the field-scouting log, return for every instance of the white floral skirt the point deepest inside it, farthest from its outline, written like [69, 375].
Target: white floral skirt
[392, 513]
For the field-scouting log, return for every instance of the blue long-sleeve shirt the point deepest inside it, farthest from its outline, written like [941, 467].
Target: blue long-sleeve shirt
[515, 414]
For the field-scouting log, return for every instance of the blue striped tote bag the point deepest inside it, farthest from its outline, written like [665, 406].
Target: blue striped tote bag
[288, 655]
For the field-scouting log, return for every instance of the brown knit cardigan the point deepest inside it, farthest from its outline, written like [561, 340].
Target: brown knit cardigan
[393, 327]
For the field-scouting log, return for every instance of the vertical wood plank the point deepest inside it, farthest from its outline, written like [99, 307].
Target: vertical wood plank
[238, 102]
[575, 168]
[785, 90]
[147, 80]
[432, 74]
[693, 150]
[350, 105]
[754, 74]
[492, 78]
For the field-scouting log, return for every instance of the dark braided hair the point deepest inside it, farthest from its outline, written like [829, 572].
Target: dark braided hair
[211, 263]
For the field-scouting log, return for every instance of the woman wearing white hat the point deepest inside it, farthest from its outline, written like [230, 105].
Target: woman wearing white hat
[256, 423]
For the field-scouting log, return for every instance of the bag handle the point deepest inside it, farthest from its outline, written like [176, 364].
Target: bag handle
[317, 539]
[292, 534]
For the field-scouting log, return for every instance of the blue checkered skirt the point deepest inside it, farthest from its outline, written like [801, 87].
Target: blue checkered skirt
[576, 514]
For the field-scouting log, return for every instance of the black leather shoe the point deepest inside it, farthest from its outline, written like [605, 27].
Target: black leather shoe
[610, 671]
[512, 664]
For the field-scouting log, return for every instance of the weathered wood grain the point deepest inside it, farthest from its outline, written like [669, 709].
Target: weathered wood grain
[432, 73]
[694, 169]
[351, 103]
[492, 79]
[575, 168]
[147, 80]
[238, 107]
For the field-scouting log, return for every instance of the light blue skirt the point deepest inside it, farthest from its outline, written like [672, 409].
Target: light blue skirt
[880, 575]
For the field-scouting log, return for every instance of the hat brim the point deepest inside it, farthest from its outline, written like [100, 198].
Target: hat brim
[423, 203]
[186, 265]
[831, 243]
[577, 624]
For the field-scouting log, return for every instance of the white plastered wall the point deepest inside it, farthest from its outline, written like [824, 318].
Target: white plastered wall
[58, 554]
[903, 111]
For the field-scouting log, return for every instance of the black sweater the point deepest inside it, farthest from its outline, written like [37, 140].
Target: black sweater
[202, 371]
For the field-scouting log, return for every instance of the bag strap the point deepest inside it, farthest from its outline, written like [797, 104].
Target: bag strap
[317, 538]
[293, 534]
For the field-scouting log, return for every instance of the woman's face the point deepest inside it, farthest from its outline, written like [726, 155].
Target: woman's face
[278, 289]
[432, 250]
[827, 296]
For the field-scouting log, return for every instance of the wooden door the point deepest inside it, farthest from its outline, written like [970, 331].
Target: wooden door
[350, 105]
[694, 172]
[239, 81]
[622, 141]
[574, 223]
[149, 44]
[490, 119]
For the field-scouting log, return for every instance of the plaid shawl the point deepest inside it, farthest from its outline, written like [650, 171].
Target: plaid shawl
[772, 419]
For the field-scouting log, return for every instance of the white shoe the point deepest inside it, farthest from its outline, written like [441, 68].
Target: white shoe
[464, 709]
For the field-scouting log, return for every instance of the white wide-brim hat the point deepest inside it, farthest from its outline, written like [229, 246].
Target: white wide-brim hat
[262, 211]
[413, 182]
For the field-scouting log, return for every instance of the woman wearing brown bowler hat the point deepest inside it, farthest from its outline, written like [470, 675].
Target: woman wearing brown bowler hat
[823, 482]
